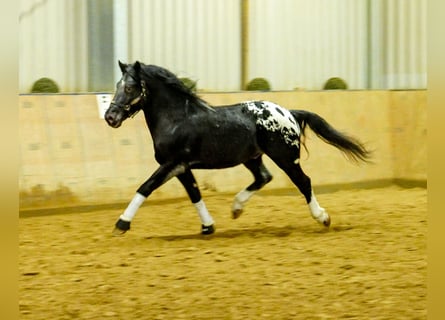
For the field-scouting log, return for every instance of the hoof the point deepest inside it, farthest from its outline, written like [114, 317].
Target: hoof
[118, 232]
[323, 218]
[236, 213]
[327, 222]
[206, 230]
[121, 227]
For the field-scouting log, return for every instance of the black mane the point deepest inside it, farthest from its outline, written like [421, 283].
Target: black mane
[173, 82]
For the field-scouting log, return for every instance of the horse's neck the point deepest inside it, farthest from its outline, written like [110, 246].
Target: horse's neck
[161, 115]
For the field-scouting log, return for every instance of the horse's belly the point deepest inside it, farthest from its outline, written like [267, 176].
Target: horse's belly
[227, 150]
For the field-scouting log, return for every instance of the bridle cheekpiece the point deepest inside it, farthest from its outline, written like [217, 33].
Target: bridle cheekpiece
[127, 107]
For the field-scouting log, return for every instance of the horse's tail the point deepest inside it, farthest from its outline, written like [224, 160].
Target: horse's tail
[350, 146]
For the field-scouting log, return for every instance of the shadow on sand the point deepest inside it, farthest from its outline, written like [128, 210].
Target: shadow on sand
[260, 232]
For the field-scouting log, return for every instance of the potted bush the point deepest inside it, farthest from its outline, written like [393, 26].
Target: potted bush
[335, 83]
[45, 85]
[258, 84]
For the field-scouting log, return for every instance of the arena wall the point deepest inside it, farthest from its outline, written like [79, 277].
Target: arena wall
[69, 156]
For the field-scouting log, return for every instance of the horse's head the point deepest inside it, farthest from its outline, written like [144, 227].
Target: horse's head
[130, 93]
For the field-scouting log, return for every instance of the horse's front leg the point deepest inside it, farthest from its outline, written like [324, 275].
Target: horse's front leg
[164, 173]
[188, 181]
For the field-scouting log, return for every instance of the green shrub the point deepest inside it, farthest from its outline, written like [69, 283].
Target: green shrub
[45, 85]
[189, 83]
[258, 84]
[335, 83]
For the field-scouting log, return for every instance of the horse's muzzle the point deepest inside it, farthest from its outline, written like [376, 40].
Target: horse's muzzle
[114, 117]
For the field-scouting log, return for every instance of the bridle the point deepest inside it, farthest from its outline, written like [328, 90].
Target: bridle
[127, 107]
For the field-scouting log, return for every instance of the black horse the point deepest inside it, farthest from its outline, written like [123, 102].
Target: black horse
[189, 134]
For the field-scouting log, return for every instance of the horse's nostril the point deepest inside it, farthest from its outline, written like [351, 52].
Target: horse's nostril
[109, 117]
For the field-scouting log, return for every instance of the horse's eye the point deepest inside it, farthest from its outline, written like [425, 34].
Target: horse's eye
[128, 89]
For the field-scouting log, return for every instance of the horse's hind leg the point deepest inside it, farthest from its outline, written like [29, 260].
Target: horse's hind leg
[188, 181]
[262, 176]
[303, 182]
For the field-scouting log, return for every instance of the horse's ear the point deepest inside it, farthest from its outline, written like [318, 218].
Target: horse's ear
[123, 66]
[137, 66]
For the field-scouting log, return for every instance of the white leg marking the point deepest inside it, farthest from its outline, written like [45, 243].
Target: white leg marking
[206, 218]
[240, 199]
[318, 213]
[133, 206]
